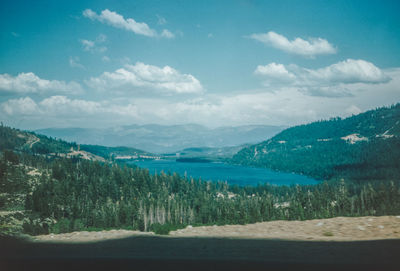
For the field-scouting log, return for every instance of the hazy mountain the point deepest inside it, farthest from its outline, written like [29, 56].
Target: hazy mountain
[161, 139]
[365, 146]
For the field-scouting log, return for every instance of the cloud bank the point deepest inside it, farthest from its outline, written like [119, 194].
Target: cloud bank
[288, 106]
[332, 80]
[31, 83]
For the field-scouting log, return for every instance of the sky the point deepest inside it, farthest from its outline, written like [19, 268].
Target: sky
[214, 63]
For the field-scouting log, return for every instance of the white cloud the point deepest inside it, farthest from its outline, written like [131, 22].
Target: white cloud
[349, 71]
[87, 44]
[333, 80]
[74, 62]
[58, 111]
[57, 106]
[167, 34]
[289, 106]
[63, 105]
[31, 83]
[21, 106]
[94, 46]
[116, 20]
[273, 70]
[142, 78]
[299, 46]
[88, 13]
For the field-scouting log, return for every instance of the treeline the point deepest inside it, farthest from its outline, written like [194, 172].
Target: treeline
[75, 195]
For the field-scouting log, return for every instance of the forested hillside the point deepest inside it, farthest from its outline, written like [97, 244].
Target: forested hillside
[14, 139]
[41, 193]
[114, 152]
[361, 147]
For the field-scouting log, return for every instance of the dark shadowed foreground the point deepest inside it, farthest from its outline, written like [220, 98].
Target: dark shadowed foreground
[169, 253]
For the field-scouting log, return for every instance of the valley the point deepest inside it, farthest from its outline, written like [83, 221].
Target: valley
[161, 139]
[60, 194]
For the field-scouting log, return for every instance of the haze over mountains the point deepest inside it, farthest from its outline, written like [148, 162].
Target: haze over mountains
[163, 139]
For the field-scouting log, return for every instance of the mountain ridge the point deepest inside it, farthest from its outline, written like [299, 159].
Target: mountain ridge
[156, 138]
[362, 146]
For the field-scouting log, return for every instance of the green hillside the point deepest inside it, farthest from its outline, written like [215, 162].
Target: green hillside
[361, 147]
[46, 190]
[113, 152]
[14, 139]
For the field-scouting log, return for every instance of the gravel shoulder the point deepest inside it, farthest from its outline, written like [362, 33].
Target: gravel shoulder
[332, 229]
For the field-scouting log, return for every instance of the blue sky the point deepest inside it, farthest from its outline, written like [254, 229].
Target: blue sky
[216, 63]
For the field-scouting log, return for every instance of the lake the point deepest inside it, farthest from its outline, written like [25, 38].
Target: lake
[233, 174]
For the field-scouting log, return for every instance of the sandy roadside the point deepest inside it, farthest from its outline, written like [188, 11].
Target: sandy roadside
[332, 229]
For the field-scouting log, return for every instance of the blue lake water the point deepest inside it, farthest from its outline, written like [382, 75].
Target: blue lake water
[233, 174]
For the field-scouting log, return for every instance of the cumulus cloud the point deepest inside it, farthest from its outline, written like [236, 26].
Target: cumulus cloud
[87, 44]
[167, 34]
[289, 106]
[298, 46]
[63, 104]
[349, 71]
[118, 21]
[330, 81]
[114, 19]
[74, 62]
[276, 71]
[31, 83]
[21, 106]
[94, 46]
[142, 78]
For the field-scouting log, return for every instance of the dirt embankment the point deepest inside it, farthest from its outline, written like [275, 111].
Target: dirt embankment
[85, 236]
[332, 229]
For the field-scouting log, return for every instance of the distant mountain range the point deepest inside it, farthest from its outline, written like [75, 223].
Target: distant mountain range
[365, 146]
[165, 139]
